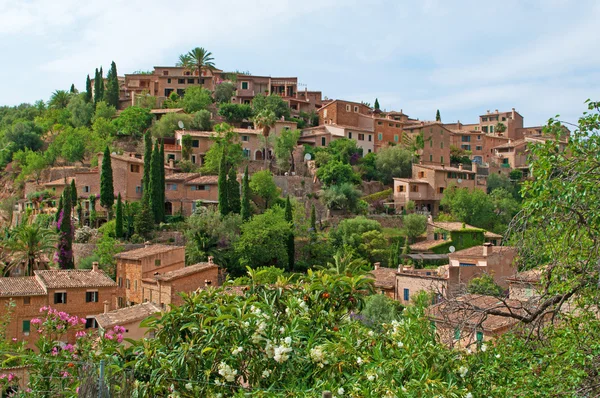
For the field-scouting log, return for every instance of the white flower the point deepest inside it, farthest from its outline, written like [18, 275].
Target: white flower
[287, 310]
[400, 344]
[370, 377]
[269, 350]
[237, 350]
[498, 356]
[282, 330]
[370, 333]
[280, 353]
[261, 327]
[266, 373]
[359, 360]
[341, 391]
[404, 389]
[468, 350]
[189, 386]
[469, 395]
[483, 347]
[226, 371]
[288, 340]
[246, 324]
[316, 354]
[463, 371]
[219, 395]
[217, 382]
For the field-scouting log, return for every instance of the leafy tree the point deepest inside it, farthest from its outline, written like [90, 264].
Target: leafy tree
[98, 86]
[225, 140]
[88, 89]
[285, 144]
[473, 207]
[498, 181]
[394, 162]
[349, 231]
[345, 150]
[112, 86]
[374, 247]
[343, 197]
[235, 113]
[145, 100]
[263, 185]
[107, 189]
[73, 90]
[29, 244]
[500, 127]
[516, 175]
[30, 163]
[368, 167]
[233, 192]
[505, 207]
[273, 103]
[59, 209]
[59, 99]
[143, 223]
[104, 128]
[265, 120]
[119, 218]
[291, 249]
[173, 102]
[245, 205]
[133, 121]
[104, 110]
[184, 60]
[169, 123]
[376, 106]
[459, 155]
[106, 249]
[155, 196]
[223, 93]
[223, 187]
[261, 243]
[196, 99]
[337, 173]
[485, 285]
[380, 309]
[438, 117]
[345, 263]
[414, 225]
[186, 146]
[81, 111]
[201, 120]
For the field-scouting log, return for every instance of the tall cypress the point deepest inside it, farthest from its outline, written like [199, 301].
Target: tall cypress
[313, 218]
[101, 85]
[107, 190]
[223, 191]
[163, 196]
[438, 117]
[65, 243]
[88, 89]
[245, 205]
[58, 210]
[376, 104]
[98, 85]
[74, 196]
[112, 86]
[72, 89]
[233, 192]
[119, 218]
[147, 167]
[155, 181]
[291, 250]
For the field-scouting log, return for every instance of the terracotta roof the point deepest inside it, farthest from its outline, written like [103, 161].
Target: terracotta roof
[426, 245]
[385, 277]
[147, 251]
[125, 158]
[185, 271]
[204, 180]
[492, 235]
[59, 182]
[451, 226]
[21, 286]
[124, 316]
[477, 251]
[531, 276]
[181, 176]
[511, 144]
[444, 168]
[412, 180]
[424, 124]
[160, 111]
[66, 278]
[195, 133]
[469, 311]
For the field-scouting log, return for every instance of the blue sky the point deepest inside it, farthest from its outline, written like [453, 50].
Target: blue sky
[463, 57]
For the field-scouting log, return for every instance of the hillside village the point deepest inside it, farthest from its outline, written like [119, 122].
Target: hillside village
[151, 210]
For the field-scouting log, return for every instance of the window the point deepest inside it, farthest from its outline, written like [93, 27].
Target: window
[60, 298]
[369, 151]
[157, 262]
[180, 81]
[491, 129]
[400, 188]
[390, 124]
[442, 144]
[180, 92]
[369, 137]
[194, 159]
[503, 118]
[26, 328]
[91, 323]
[350, 134]
[361, 137]
[127, 284]
[457, 334]
[479, 137]
[190, 81]
[245, 138]
[414, 188]
[195, 143]
[395, 137]
[431, 158]
[379, 123]
[171, 156]
[347, 108]
[171, 187]
[430, 143]
[479, 148]
[138, 189]
[465, 138]
[120, 302]
[26, 300]
[135, 285]
[86, 189]
[323, 141]
[441, 159]
[406, 294]
[466, 147]
[421, 174]
[165, 73]
[380, 137]
[92, 297]
[245, 85]
[200, 188]
[325, 113]
[484, 119]
[169, 80]
[135, 168]
[168, 91]
[247, 153]
[356, 109]
[397, 125]
[466, 265]
[484, 129]
[120, 282]
[441, 189]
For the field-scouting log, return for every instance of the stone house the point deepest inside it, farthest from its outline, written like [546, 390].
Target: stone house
[384, 280]
[436, 141]
[183, 191]
[129, 318]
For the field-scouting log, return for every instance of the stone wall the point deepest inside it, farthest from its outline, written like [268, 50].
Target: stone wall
[82, 250]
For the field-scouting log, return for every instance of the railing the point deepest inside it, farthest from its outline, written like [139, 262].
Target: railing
[172, 147]
[505, 165]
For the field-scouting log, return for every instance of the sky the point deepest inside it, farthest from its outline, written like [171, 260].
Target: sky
[461, 57]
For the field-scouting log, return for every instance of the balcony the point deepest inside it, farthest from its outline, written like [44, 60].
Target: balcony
[172, 147]
[505, 165]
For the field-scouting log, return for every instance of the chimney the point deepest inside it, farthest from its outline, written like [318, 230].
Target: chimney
[460, 166]
[496, 110]
[95, 266]
[147, 244]
[210, 260]
[487, 249]
[513, 113]
[106, 306]
[400, 268]
[458, 125]
[376, 265]
[487, 111]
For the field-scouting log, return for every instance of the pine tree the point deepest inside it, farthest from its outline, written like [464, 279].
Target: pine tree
[65, 229]
[438, 118]
[147, 167]
[233, 192]
[88, 89]
[112, 86]
[107, 190]
[154, 185]
[291, 250]
[119, 218]
[245, 205]
[163, 197]
[313, 218]
[376, 104]
[72, 89]
[223, 191]
[98, 86]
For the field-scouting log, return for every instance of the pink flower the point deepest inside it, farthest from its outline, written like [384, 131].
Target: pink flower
[119, 329]
[109, 336]
[39, 330]
[11, 377]
[36, 321]
[69, 347]
[44, 308]
[3, 376]
[14, 339]
[63, 316]
[59, 326]
[82, 320]
[81, 333]
[54, 351]
[119, 338]
[65, 374]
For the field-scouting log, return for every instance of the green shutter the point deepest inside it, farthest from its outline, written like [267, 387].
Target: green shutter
[457, 334]
[479, 337]
[26, 326]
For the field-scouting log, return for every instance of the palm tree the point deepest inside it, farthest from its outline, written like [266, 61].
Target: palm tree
[265, 120]
[59, 99]
[345, 263]
[199, 58]
[29, 245]
[185, 60]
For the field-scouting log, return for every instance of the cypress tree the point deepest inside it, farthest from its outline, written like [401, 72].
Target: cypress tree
[58, 210]
[80, 214]
[223, 191]
[147, 167]
[163, 197]
[72, 89]
[101, 85]
[112, 86]
[154, 185]
[233, 192]
[291, 250]
[88, 89]
[107, 190]
[245, 205]
[438, 118]
[65, 243]
[98, 86]
[119, 218]
[313, 218]
[74, 196]
[376, 104]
